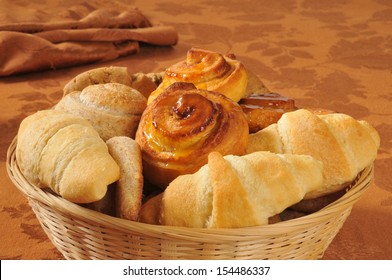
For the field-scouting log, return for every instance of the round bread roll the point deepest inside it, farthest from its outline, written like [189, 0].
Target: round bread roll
[103, 75]
[113, 109]
[182, 126]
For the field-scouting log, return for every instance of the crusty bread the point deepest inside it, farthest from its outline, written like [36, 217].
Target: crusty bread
[113, 109]
[54, 147]
[239, 191]
[102, 75]
[129, 189]
[344, 145]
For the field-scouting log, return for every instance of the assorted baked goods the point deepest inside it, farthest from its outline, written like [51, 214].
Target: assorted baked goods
[182, 126]
[203, 144]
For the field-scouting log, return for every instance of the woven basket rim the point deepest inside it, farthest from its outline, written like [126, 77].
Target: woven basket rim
[33, 192]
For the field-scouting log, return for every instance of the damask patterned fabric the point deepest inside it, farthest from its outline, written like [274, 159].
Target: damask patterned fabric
[331, 54]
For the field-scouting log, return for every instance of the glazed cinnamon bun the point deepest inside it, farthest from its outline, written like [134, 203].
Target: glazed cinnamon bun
[207, 70]
[182, 126]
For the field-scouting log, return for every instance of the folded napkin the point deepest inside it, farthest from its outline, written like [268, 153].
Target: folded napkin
[101, 35]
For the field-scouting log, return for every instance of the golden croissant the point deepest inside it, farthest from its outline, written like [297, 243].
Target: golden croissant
[344, 145]
[65, 153]
[239, 191]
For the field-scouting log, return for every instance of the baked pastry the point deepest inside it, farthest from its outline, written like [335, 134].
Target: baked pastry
[146, 83]
[239, 191]
[182, 126]
[151, 210]
[103, 75]
[113, 109]
[344, 145]
[53, 148]
[255, 85]
[264, 109]
[129, 188]
[207, 70]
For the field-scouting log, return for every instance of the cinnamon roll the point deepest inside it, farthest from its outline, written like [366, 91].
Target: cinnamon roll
[207, 70]
[182, 126]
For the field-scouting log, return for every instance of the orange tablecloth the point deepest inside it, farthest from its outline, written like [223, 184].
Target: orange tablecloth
[331, 54]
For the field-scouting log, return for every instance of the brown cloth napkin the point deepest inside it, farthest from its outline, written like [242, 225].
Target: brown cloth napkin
[101, 35]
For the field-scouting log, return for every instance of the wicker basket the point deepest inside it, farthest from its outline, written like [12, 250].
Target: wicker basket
[81, 233]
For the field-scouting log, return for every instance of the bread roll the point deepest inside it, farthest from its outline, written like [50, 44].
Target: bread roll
[344, 145]
[209, 71]
[63, 152]
[239, 191]
[129, 188]
[182, 126]
[103, 75]
[113, 109]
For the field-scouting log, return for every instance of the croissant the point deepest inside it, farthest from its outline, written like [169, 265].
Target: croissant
[182, 126]
[64, 152]
[344, 145]
[239, 191]
[113, 109]
[207, 70]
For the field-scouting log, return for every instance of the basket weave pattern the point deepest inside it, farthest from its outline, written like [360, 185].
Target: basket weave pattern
[81, 233]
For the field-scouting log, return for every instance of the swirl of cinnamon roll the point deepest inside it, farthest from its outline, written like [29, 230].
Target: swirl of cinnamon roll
[207, 70]
[182, 126]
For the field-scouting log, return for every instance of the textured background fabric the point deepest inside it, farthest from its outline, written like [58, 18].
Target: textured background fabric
[95, 35]
[332, 54]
